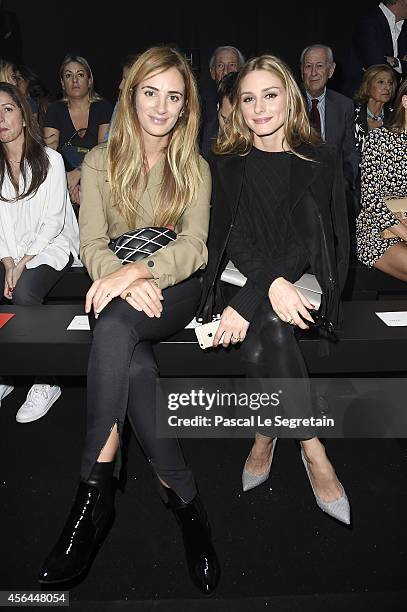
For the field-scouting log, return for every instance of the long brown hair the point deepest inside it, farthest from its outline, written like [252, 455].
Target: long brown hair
[127, 171]
[238, 138]
[34, 153]
[397, 120]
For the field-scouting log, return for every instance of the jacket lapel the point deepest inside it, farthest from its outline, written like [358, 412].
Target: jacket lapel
[231, 173]
[386, 32]
[330, 123]
[302, 174]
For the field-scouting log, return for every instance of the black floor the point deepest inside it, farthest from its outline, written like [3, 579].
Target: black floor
[278, 551]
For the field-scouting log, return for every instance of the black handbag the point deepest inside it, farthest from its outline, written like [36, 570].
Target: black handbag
[140, 243]
[73, 155]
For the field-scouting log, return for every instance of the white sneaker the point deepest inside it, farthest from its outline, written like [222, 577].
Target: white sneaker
[5, 390]
[39, 400]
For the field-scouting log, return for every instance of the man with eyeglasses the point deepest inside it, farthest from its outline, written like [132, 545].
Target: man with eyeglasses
[224, 60]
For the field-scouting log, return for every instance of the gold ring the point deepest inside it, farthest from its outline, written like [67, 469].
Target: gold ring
[128, 294]
[291, 321]
[108, 295]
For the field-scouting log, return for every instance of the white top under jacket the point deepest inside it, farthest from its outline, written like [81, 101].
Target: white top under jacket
[44, 224]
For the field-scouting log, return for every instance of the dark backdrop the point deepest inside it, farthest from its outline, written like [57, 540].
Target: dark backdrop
[106, 33]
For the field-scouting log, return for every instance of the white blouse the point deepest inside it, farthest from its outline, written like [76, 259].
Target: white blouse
[44, 224]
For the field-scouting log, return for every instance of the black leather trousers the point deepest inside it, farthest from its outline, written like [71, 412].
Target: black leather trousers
[271, 350]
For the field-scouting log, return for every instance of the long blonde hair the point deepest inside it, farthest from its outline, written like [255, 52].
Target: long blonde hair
[238, 138]
[126, 167]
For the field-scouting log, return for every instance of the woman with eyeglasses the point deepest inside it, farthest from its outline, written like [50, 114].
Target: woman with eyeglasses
[78, 122]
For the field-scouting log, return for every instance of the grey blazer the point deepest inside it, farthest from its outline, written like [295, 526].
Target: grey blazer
[340, 132]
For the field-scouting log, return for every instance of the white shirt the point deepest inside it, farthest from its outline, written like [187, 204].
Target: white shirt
[43, 225]
[395, 29]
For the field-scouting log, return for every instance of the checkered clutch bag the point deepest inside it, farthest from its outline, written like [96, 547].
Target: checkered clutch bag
[140, 243]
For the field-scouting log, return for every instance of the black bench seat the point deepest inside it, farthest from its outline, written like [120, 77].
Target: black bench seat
[36, 341]
[363, 283]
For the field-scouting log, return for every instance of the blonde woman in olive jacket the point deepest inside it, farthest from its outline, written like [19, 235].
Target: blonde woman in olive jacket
[149, 174]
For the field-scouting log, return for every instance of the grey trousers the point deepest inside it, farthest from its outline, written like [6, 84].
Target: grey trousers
[122, 375]
[32, 288]
[34, 284]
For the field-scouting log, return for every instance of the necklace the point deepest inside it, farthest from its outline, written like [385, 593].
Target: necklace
[378, 117]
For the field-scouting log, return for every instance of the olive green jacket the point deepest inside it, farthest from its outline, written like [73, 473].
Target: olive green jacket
[100, 221]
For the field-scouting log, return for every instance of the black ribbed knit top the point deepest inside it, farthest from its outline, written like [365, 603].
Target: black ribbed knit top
[263, 244]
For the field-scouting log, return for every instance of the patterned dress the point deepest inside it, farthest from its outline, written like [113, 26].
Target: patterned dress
[383, 174]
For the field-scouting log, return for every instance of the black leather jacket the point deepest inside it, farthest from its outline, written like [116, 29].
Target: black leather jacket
[318, 213]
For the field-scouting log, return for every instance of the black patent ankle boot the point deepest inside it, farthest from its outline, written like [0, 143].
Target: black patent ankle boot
[87, 524]
[203, 564]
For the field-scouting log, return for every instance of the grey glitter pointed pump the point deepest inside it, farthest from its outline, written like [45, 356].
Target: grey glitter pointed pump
[249, 480]
[338, 508]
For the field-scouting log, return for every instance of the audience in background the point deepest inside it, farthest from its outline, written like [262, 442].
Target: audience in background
[378, 37]
[7, 72]
[128, 62]
[224, 107]
[384, 176]
[78, 122]
[34, 90]
[39, 237]
[330, 113]
[372, 100]
[225, 99]
[224, 60]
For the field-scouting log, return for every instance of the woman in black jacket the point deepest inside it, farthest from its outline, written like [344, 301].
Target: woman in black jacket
[278, 210]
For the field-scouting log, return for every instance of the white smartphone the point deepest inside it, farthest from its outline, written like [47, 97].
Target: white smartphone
[206, 333]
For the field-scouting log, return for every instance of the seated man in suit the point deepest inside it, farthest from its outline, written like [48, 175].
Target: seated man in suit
[379, 37]
[224, 60]
[331, 113]
[224, 107]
